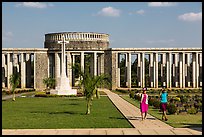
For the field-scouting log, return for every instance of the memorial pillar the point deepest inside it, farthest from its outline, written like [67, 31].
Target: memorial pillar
[184, 71]
[126, 73]
[197, 71]
[143, 69]
[151, 70]
[118, 69]
[200, 70]
[69, 67]
[23, 71]
[3, 71]
[170, 66]
[194, 69]
[167, 70]
[156, 71]
[180, 70]
[73, 72]
[9, 68]
[138, 70]
[95, 63]
[129, 70]
[188, 70]
[176, 69]
[163, 69]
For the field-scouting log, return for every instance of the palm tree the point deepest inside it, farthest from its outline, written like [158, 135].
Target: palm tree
[89, 85]
[49, 83]
[14, 82]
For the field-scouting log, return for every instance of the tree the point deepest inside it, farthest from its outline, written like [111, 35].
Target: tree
[14, 81]
[89, 84]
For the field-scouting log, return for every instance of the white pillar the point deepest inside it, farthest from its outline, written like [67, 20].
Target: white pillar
[129, 70]
[73, 72]
[188, 69]
[9, 68]
[34, 59]
[194, 69]
[167, 70]
[118, 56]
[162, 66]
[200, 74]
[143, 69]
[23, 71]
[95, 63]
[57, 66]
[69, 67]
[176, 69]
[82, 61]
[180, 70]
[184, 71]
[156, 75]
[197, 70]
[139, 69]
[126, 69]
[170, 62]
[151, 70]
[3, 67]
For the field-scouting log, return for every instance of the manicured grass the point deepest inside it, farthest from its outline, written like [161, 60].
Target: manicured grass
[60, 112]
[177, 121]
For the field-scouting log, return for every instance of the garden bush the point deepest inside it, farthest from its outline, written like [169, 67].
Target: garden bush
[156, 103]
[131, 94]
[192, 110]
[171, 108]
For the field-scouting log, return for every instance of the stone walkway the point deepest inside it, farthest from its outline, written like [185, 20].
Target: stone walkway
[150, 126]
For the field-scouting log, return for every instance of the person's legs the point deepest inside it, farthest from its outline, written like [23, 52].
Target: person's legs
[145, 115]
[165, 116]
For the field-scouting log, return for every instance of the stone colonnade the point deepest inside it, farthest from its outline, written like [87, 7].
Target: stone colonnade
[178, 68]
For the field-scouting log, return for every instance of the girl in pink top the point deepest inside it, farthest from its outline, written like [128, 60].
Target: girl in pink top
[144, 104]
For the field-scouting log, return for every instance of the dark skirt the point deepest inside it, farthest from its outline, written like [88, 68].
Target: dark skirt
[163, 106]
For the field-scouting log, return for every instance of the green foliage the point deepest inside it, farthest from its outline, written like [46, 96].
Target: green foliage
[49, 82]
[192, 110]
[89, 84]
[131, 94]
[14, 81]
[171, 108]
[156, 103]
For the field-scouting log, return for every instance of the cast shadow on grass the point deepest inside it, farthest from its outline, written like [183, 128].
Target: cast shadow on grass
[63, 112]
[138, 118]
[197, 127]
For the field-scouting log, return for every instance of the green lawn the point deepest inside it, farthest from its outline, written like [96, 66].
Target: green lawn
[178, 121]
[60, 112]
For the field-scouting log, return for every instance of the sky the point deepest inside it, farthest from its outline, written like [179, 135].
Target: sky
[129, 24]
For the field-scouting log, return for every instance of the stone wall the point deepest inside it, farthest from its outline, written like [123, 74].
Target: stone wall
[110, 67]
[79, 45]
[41, 70]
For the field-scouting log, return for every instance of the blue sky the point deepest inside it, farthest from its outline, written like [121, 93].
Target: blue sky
[129, 24]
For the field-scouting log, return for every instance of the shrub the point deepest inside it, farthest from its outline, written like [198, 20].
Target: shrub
[150, 101]
[171, 108]
[156, 103]
[131, 94]
[192, 110]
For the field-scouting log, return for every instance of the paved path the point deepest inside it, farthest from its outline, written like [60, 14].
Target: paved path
[150, 126]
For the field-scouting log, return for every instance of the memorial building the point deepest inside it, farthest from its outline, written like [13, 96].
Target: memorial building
[127, 67]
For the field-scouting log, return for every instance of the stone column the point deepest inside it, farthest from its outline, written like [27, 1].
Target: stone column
[3, 71]
[126, 65]
[163, 69]
[184, 71]
[102, 63]
[188, 70]
[194, 69]
[23, 71]
[28, 70]
[34, 65]
[95, 63]
[129, 70]
[73, 72]
[157, 71]
[180, 70]
[176, 69]
[69, 67]
[118, 70]
[197, 71]
[200, 70]
[151, 70]
[9, 68]
[138, 69]
[57, 66]
[82, 61]
[170, 66]
[167, 70]
[143, 69]
[15, 63]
